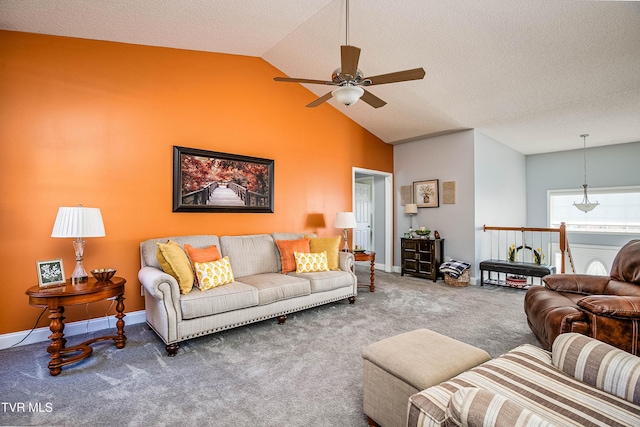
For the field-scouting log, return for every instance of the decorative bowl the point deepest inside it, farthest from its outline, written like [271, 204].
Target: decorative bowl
[422, 233]
[103, 274]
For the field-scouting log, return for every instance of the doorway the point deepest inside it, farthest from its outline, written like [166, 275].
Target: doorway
[373, 207]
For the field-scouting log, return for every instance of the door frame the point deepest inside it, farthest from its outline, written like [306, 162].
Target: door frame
[369, 180]
[388, 210]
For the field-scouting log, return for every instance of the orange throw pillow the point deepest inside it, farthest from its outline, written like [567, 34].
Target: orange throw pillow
[207, 254]
[287, 248]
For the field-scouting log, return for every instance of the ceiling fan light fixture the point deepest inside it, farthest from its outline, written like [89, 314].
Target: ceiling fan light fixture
[348, 94]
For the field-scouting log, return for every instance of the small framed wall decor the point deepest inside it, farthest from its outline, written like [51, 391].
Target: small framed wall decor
[50, 273]
[425, 194]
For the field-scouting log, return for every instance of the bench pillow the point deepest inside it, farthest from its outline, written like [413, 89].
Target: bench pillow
[477, 407]
[598, 364]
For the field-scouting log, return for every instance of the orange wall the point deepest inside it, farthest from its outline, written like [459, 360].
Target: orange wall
[94, 122]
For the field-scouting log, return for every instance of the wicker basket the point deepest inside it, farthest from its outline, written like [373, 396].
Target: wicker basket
[461, 281]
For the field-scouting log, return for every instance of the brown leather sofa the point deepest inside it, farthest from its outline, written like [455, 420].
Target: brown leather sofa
[602, 307]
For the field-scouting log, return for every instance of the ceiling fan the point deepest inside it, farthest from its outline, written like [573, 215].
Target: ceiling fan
[350, 80]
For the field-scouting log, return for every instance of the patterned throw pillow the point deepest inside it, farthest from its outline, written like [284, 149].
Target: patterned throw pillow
[174, 261]
[311, 262]
[214, 273]
[329, 244]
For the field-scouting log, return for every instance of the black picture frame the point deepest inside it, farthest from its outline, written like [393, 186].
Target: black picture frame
[241, 183]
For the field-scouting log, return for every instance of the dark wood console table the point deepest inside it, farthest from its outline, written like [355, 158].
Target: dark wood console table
[57, 298]
[422, 257]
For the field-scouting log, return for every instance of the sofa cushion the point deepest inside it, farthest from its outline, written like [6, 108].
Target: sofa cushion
[173, 260]
[475, 407]
[214, 273]
[287, 249]
[527, 377]
[250, 254]
[274, 287]
[329, 244]
[311, 262]
[221, 299]
[326, 280]
[598, 364]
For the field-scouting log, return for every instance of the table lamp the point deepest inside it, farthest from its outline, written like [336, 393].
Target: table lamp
[345, 220]
[78, 222]
[411, 209]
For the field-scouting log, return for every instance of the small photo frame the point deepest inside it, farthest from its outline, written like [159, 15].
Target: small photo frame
[425, 194]
[50, 273]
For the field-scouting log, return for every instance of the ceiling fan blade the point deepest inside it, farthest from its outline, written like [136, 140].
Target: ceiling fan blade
[294, 80]
[372, 100]
[349, 55]
[319, 100]
[398, 76]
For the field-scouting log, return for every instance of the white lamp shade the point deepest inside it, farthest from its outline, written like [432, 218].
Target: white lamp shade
[78, 222]
[347, 95]
[411, 208]
[345, 220]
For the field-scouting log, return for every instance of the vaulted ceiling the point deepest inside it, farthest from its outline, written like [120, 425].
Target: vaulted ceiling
[532, 74]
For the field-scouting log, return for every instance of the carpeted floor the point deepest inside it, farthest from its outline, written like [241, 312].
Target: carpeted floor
[307, 372]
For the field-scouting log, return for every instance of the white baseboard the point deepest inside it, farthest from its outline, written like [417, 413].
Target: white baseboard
[70, 329]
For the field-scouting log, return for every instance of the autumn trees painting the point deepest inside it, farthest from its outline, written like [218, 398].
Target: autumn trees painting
[209, 181]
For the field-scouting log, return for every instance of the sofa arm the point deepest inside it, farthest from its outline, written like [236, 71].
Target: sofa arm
[617, 306]
[576, 283]
[598, 364]
[346, 261]
[162, 287]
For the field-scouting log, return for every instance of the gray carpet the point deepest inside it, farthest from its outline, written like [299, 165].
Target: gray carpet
[307, 372]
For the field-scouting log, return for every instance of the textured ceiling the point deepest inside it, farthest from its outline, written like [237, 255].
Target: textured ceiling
[532, 74]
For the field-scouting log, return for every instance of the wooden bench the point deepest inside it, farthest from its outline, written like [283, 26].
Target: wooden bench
[528, 269]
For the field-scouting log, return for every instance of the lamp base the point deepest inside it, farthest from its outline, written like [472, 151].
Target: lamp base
[79, 274]
[346, 240]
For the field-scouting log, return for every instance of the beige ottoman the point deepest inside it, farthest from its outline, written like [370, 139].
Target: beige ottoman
[398, 367]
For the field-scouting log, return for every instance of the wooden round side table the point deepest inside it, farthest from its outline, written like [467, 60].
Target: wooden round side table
[56, 298]
[367, 256]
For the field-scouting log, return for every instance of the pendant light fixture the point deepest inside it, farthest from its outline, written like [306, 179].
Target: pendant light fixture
[585, 206]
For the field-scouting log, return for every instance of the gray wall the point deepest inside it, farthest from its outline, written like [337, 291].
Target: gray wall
[609, 166]
[500, 191]
[446, 158]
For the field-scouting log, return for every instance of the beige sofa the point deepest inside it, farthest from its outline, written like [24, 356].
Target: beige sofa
[581, 382]
[260, 291]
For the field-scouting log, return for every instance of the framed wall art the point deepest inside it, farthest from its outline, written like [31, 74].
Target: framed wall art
[209, 181]
[50, 272]
[425, 194]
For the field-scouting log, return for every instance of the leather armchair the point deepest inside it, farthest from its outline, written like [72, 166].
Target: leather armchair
[603, 307]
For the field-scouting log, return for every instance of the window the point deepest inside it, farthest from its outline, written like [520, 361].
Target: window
[619, 210]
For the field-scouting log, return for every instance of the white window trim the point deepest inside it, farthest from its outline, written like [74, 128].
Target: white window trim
[593, 192]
